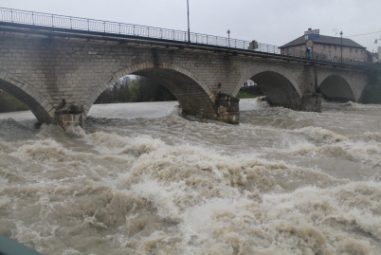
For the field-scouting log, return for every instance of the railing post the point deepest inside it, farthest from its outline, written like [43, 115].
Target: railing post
[161, 33]
[52, 21]
[119, 28]
[104, 26]
[88, 25]
[133, 29]
[148, 31]
[12, 16]
[71, 23]
[33, 18]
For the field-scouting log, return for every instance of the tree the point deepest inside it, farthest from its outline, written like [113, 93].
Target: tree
[134, 89]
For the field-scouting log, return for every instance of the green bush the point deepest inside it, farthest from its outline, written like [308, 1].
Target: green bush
[250, 92]
[134, 90]
[9, 103]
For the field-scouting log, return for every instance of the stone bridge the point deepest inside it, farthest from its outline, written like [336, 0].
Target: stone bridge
[57, 72]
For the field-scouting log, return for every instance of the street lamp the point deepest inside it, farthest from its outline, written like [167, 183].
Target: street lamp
[228, 37]
[341, 46]
[188, 21]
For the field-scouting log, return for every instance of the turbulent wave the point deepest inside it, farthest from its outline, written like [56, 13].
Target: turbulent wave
[281, 182]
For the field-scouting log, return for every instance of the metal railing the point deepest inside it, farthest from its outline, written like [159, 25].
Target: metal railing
[107, 27]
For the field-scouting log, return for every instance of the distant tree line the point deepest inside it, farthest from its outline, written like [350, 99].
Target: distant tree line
[9, 103]
[134, 89]
[250, 90]
[128, 89]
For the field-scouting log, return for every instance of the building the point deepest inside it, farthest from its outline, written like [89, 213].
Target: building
[321, 47]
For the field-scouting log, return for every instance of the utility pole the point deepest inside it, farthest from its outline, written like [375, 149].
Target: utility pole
[188, 21]
[228, 37]
[341, 46]
[377, 40]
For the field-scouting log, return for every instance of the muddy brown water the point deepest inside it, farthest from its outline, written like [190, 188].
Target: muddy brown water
[140, 179]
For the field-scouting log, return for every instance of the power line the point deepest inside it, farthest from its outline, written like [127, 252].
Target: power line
[371, 33]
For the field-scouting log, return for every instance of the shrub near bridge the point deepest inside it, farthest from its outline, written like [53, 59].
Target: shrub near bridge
[9, 103]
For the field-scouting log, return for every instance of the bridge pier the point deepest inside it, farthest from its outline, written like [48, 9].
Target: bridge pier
[227, 108]
[66, 120]
[311, 102]
[69, 115]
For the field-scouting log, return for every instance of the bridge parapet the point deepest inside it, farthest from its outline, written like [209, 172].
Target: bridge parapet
[54, 21]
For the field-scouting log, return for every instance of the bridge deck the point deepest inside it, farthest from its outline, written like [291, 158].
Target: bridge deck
[39, 22]
[62, 32]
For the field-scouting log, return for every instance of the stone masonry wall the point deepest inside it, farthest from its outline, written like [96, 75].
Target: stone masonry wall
[52, 68]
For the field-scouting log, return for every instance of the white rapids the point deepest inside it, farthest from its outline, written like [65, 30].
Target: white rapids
[140, 179]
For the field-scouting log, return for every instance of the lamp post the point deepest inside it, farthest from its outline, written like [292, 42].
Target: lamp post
[341, 47]
[228, 37]
[188, 21]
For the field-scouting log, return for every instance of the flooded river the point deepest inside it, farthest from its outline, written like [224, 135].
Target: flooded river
[140, 179]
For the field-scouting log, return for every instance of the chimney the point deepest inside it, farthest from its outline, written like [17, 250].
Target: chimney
[311, 31]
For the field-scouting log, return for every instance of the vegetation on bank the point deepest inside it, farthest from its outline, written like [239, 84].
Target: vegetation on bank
[245, 94]
[129, 89]
[372, 92]
[249, 92]
[9, 103]
[135, 89]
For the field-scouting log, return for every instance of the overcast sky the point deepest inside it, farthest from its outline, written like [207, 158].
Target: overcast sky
[268, 21]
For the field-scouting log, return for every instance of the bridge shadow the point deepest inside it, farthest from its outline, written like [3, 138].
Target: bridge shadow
[276, 89]
[336, 88]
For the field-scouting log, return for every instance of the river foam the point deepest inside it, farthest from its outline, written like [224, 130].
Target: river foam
[282, 182]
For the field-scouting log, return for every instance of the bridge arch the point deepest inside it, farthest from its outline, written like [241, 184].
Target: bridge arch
[279, 89]
[194, 97]
[40, 106]
[336, 88]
